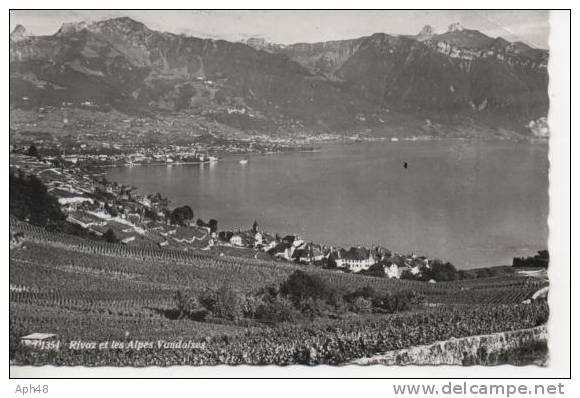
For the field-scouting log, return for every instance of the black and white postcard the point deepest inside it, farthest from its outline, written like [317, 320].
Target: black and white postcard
[198, 188]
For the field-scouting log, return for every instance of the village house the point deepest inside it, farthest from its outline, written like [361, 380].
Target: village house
[283, 250]
[243, 239]
[237, 240]
[267, 246]
[258, 237]
[287, 254]
[382, 252]
[394, 270]
[292, 240]
[264, 241]
[311, 253]
[416, 270]
[336, 257]
[145, 202]
[356, 259]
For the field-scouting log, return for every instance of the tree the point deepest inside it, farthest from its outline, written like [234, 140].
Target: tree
[276, 309]
[396, 302]
[440, 271]
[181, 214]
[189, 306]
[187, 212]
[110, 236]
[301, 286]
[407, 274]
[213, 225]
[255, 227]
[150, 214]
[224, 303]
[225, 235]
[111, 210]
[542, 260]
[29, 200]
[33, 152]
[366, 292]
[362, 305]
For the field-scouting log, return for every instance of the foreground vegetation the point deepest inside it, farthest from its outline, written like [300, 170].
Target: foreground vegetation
[323, 341]
[235, 310]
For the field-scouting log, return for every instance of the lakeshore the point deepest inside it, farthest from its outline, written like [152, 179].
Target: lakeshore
[307, 193]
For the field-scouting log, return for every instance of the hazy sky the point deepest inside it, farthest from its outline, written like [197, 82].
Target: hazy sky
[287, 27]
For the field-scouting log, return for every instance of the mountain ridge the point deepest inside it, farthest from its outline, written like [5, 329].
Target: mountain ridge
[367, 82]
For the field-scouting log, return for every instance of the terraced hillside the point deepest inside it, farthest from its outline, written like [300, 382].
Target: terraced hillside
[79, 289]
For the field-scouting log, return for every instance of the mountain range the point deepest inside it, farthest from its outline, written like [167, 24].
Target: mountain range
[456, 78]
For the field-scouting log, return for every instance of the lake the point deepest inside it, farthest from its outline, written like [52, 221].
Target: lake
[473, 204]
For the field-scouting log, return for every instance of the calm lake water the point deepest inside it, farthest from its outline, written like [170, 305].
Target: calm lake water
[474, 204]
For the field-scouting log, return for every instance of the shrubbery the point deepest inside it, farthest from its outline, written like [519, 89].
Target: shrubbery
[302, 286]
[32, 151]
[275, 309]
[540, 260]
[368, 300]
[440, 271]
[223, 303]
[30, 201]
[189, 306]
[110, 236]
[180, 215]
[301, 296]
